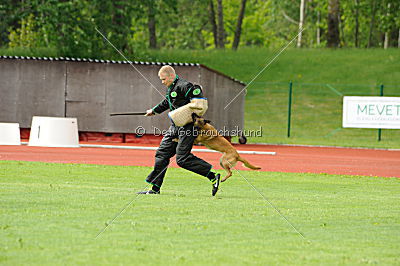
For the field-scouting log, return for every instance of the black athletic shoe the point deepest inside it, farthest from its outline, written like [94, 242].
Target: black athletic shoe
[148, 192]
[215, 184]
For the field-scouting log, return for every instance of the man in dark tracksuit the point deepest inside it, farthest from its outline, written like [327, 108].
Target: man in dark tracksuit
[178, 94]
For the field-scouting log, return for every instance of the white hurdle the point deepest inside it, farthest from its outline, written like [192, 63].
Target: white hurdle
[54, 132]
[9, 134]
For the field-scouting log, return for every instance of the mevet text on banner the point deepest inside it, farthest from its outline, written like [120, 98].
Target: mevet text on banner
[371, 112]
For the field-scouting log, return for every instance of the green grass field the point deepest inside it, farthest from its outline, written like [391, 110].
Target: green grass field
[51, 213]
[337, 66]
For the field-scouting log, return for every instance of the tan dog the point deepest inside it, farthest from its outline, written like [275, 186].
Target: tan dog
[209, 136]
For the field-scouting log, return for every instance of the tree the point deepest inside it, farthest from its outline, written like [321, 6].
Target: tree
[67, 27]
[318, 28]
[372, 22]
[386, 41]
[239, 26]
[301, 21]
[315, 10]
[333, 37]
[357, 25]
[342, 22]
[221, 28]
[389, 22]
[151, 23]
[213, 23]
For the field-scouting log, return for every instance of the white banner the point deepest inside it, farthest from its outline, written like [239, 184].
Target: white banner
[371, 112]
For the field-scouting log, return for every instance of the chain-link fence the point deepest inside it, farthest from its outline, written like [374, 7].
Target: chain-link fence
[316, 114]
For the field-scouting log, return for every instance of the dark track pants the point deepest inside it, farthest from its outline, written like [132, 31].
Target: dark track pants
[182, 149]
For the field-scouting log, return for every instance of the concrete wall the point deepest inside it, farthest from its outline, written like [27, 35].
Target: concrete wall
[29, 88]
[91, 91]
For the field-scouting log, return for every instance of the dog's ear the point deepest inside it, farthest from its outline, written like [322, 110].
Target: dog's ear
[207, 121]
[194, 116]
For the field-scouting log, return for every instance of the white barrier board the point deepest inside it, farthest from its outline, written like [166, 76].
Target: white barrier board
[54, 132]
[9, 134]
[371, 112]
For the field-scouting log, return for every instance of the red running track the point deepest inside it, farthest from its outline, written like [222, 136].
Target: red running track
[294, 159]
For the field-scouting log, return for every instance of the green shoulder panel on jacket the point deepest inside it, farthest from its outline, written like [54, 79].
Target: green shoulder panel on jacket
[194, 92]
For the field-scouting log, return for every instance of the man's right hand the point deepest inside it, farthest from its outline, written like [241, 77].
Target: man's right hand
[149, 112]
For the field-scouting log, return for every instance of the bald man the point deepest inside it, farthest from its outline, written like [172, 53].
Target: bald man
[179, 93]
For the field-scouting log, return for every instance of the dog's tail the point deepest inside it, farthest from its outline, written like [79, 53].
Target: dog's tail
[247, 164]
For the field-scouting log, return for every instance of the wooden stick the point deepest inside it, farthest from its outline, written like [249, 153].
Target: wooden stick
[133, 113]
